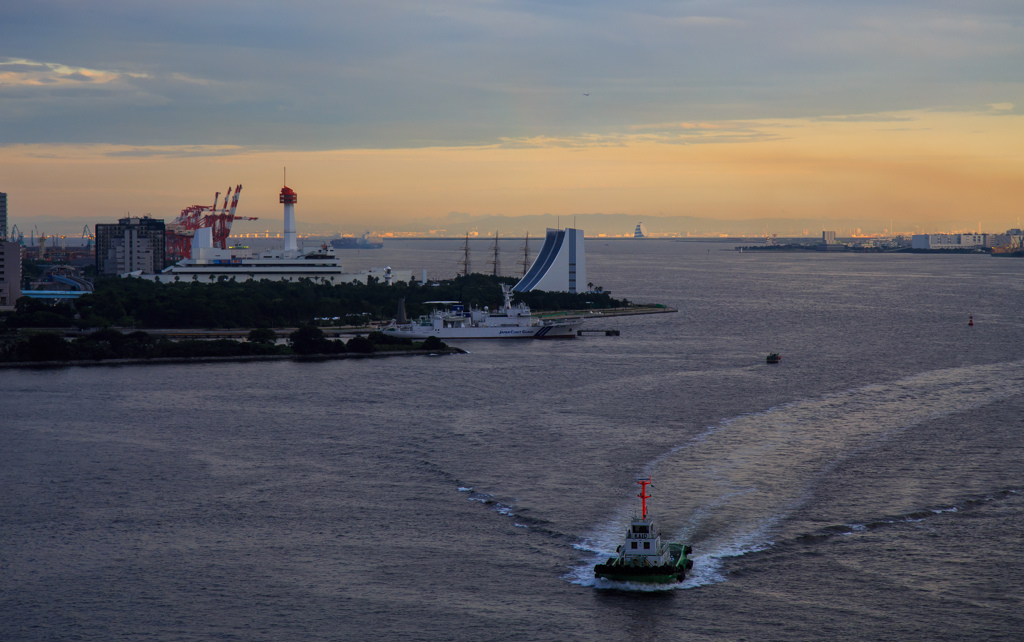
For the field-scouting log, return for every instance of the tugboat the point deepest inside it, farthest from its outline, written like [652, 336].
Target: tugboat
[774, 357]
[643, 557]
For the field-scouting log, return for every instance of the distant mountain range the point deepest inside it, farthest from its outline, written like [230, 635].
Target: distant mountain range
[459, 223]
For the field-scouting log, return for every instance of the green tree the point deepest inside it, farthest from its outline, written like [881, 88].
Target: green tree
[48, 347]
[433, 343]
[360, 345]
[309, 339]
[263, 335]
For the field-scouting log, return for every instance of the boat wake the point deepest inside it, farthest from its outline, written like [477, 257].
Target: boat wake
[726, 491]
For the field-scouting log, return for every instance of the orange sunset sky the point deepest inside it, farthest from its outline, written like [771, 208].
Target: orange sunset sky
[394, 116]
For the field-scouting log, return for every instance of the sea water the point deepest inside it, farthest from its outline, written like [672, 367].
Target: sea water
[869, 486]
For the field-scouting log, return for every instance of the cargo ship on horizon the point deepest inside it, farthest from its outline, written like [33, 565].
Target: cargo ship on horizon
[364, 242]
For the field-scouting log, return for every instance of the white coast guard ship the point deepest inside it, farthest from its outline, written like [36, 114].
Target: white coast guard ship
[511, 322]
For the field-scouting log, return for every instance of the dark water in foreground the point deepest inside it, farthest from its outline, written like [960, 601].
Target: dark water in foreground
[870, 486]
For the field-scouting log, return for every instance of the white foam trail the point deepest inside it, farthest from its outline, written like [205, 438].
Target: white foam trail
[489, 501]
[725, 490]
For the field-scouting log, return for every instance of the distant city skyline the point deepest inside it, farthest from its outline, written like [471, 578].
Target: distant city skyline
[396, 114]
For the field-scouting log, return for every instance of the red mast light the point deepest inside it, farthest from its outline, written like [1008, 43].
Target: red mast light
[288, 196]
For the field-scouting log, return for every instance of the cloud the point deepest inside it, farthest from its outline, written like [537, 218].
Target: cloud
[865, 118]
[178, 151]
[662, 133]
[699, 21]
[1002, 106]
[29, 73]
[327, 74]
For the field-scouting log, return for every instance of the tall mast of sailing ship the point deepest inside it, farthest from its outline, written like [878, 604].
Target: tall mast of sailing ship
[496, 262]
[464, 263]
[526, 255]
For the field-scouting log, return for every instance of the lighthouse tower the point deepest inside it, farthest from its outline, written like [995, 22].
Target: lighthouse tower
[289, 198]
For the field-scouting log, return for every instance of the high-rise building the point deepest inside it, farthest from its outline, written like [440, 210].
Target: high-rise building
[3, 216]
[133, 244]
[10, 273]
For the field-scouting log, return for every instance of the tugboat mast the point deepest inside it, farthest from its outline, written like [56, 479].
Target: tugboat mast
[643, 494]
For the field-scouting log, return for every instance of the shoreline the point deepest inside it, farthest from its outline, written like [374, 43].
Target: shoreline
[248, 357]
[333, 332]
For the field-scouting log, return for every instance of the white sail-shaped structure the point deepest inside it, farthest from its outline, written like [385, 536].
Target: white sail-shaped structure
[561, 265]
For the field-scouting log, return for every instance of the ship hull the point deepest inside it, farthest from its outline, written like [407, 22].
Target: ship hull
[643, 575]
[349, 243]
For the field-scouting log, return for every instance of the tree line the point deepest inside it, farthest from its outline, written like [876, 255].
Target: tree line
[267, 304]
[112, 344]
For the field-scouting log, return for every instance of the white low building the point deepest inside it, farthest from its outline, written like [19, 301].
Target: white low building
[949, 241]
[315, 265]
[209, 264]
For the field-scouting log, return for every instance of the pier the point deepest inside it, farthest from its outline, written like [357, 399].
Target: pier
[605, 312]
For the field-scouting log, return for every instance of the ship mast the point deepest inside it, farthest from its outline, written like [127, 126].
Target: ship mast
[643, 494]
[495, 261]
[526, 255]
[464, 263]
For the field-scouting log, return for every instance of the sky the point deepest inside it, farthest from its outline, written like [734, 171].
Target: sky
[399, 114]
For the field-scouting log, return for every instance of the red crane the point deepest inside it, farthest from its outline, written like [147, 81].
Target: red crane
[180, 231]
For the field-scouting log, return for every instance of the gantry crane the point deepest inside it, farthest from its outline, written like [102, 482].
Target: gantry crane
[180, 231]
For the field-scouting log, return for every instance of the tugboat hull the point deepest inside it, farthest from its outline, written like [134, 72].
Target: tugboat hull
[657, 575]
[665, 574]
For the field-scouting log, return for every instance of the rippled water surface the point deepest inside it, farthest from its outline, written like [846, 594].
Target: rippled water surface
[869, 486]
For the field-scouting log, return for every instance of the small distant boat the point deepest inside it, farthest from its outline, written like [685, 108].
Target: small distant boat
[774, 357]
[643, 557]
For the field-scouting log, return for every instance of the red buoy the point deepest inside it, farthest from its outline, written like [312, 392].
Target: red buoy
[971, 320]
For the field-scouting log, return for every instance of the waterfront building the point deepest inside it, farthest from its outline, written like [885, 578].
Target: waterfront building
[829, 243]
[951, 241]
[318, 264]
[640, 231]
[133, 244]
[561, 265]
[1009, 240]
[209, 264]
[10, 273]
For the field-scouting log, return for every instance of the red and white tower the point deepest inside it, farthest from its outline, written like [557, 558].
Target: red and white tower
[289, 198]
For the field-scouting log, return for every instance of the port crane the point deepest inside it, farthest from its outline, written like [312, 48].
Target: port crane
[16, 235]
[42, 245]
[180, 231]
